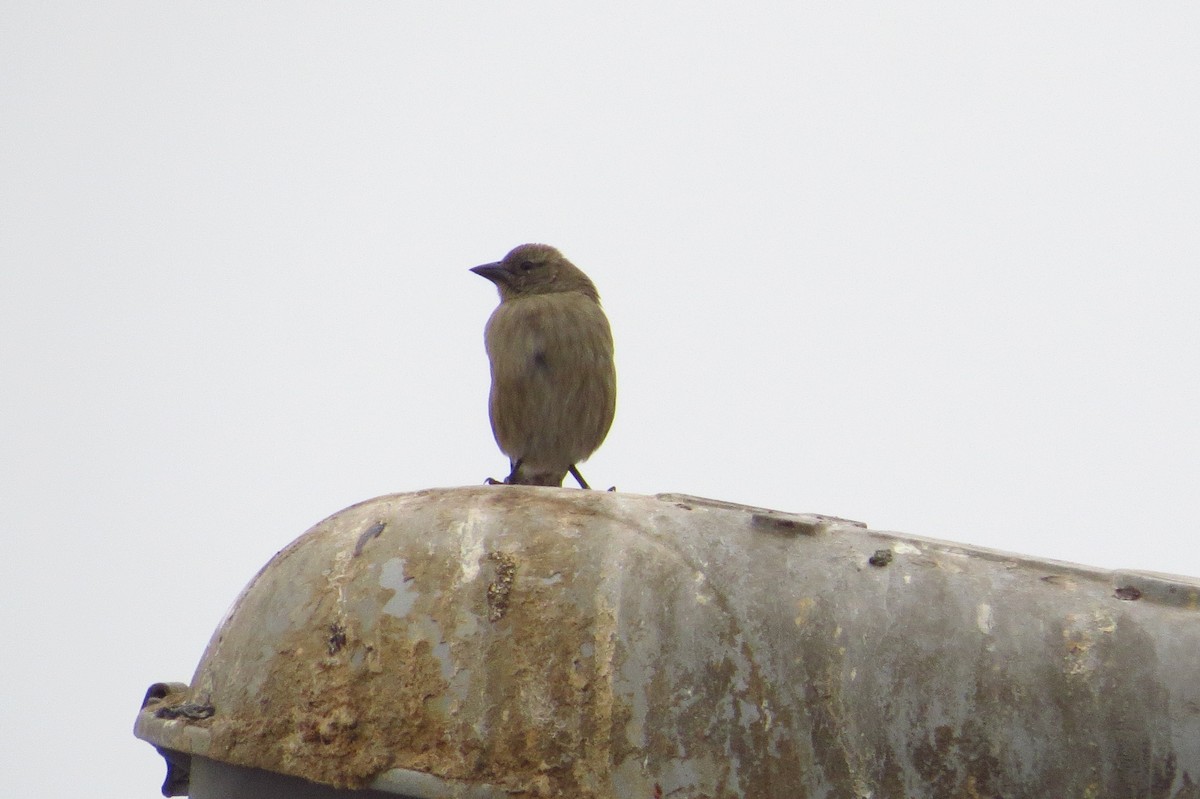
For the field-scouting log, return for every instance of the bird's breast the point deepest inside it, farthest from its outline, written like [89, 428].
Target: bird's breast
[535, 335]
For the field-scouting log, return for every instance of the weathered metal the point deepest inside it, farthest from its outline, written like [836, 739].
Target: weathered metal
[515, 641]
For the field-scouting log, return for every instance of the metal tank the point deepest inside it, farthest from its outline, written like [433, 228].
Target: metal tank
[510, 641]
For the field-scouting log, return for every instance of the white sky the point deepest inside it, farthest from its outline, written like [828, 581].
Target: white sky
[933, 266]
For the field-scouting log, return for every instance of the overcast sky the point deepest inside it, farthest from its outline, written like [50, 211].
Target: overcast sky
[933, 266]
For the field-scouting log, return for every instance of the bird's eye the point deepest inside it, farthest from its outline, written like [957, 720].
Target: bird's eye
[527, 266]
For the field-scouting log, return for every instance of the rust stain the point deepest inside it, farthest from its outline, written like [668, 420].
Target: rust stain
[332, 721]
[630, 666]
[500, 588]
[1127, 592]
[881, 558]
[340, 704]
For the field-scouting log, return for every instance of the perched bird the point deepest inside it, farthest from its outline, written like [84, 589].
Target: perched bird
[554, 387]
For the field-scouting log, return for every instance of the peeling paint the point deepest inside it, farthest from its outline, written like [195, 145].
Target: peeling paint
[983, 618]
[532, 642]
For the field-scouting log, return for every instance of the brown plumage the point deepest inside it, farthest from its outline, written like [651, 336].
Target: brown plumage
[554, 387]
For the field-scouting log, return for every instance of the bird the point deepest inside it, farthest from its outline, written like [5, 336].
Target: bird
[550, 347]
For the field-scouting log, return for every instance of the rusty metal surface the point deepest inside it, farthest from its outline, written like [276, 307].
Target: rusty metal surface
[515, 641]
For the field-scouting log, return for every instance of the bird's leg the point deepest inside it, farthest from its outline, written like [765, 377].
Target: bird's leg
[579, 477]
[512, 476]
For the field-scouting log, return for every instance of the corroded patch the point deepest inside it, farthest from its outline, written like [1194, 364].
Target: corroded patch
[558, 643]
[499, 589]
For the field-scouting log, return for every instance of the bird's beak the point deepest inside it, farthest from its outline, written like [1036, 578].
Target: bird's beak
[493, 272]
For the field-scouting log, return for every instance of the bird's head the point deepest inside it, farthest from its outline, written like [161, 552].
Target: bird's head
[535, 269]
